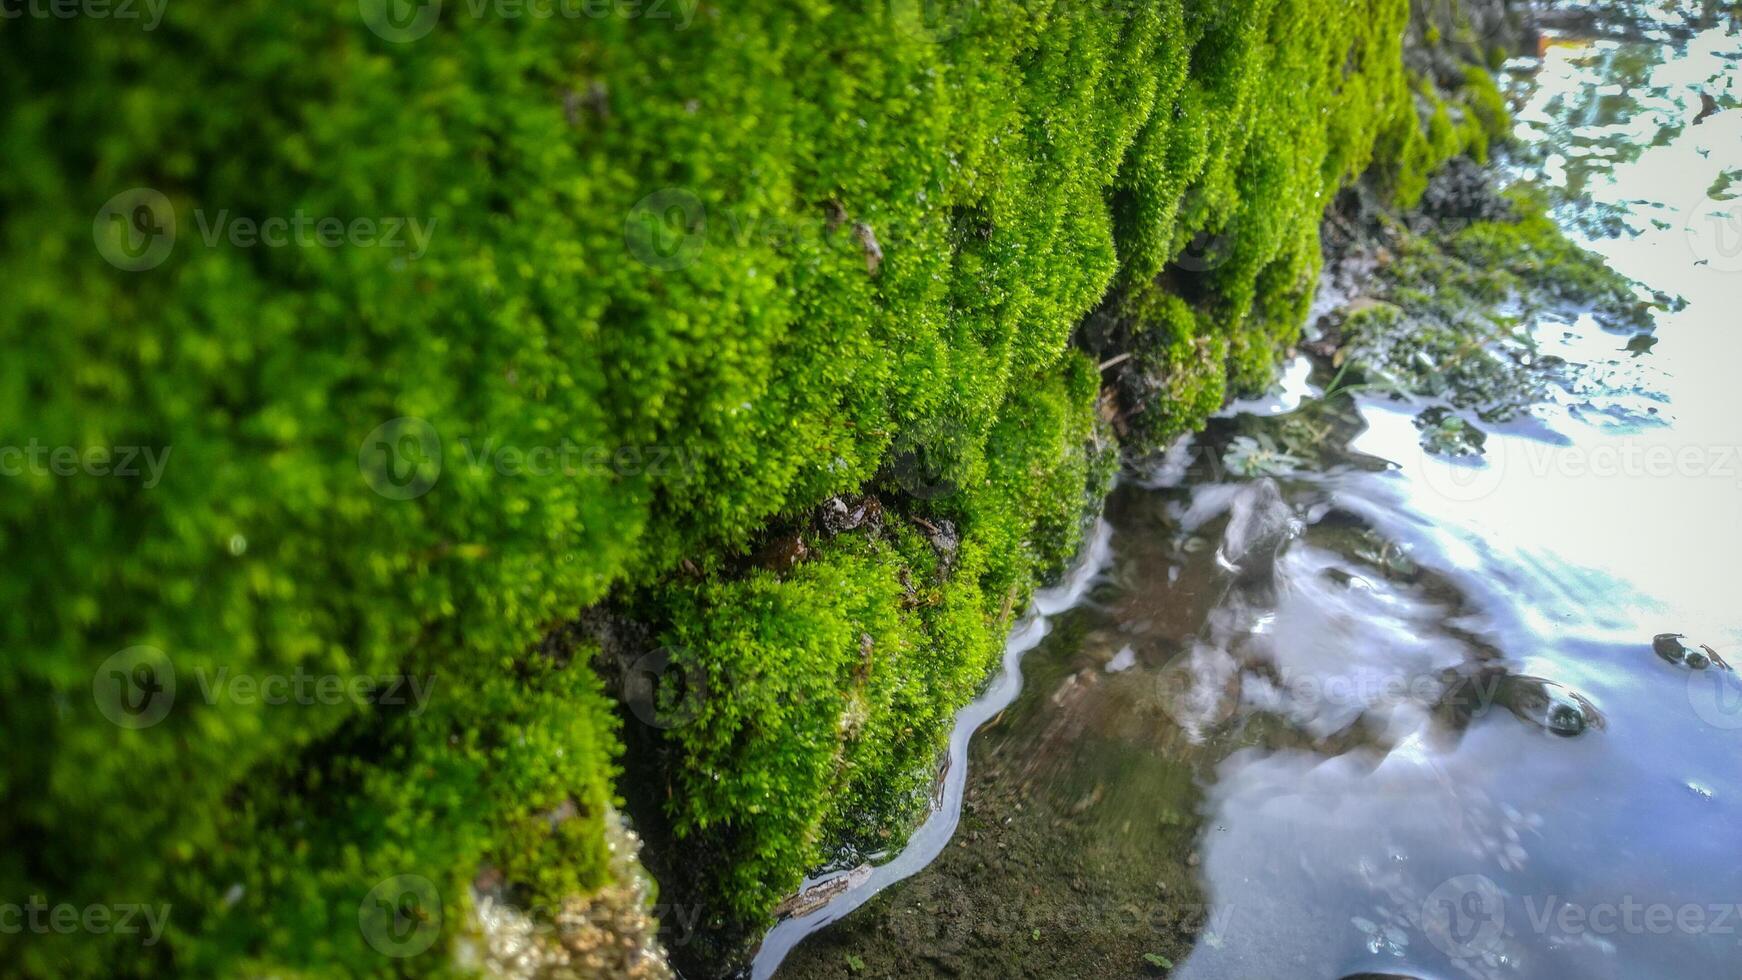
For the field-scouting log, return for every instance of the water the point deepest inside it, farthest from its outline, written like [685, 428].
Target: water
[1386, 712]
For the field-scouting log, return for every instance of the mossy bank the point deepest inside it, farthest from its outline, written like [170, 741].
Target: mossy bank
[497, 358]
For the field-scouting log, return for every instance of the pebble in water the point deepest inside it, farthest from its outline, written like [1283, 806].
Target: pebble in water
[1260, 525]
[1554, 707]
[1678, 649]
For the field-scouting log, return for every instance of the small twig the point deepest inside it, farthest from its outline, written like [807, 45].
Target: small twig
[1109, 362]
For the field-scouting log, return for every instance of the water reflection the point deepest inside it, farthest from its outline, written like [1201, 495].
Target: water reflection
[1578, 831]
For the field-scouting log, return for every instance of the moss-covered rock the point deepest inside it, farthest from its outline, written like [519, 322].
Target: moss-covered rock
[1447, 315]
[1240, 175]
[823, 691]
[443, 329]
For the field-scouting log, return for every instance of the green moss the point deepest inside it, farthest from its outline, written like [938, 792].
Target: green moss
[1452, 308]
[1529, 255]
[830, 689]
[1462, 122]
[1182, 373]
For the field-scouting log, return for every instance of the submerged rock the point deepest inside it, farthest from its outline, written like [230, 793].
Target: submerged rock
[1446, 433]
[821, 893]
[1678, 649]
[1248, 456]
[1260, 526]
[1552, 707]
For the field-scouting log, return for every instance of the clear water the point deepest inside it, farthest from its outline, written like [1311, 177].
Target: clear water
[1400, 714]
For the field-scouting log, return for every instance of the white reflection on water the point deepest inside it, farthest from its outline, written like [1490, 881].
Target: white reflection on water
[1611, 514]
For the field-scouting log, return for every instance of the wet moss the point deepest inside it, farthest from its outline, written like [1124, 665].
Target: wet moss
[828, 689]
[1180, 373]
[1530, 257]
[1262, 137]
[1447, 315]
[1461, 122]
